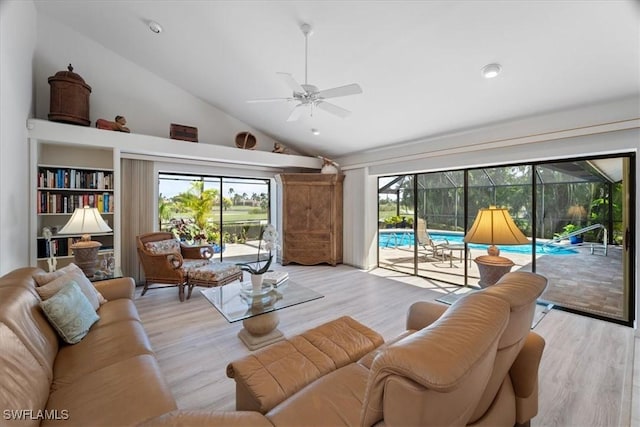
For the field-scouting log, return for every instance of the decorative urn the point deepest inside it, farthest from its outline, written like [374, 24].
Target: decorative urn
[69, 101]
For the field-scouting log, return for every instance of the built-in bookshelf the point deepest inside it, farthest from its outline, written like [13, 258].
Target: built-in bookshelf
[67, 178]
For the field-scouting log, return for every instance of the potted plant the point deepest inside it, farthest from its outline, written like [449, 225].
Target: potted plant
[269, 235]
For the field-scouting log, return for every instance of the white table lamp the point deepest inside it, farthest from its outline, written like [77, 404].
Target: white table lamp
[86, 221]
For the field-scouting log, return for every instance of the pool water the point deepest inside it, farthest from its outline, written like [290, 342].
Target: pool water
[395, 239]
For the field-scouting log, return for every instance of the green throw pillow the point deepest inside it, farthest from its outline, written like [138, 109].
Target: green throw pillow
[70, 313]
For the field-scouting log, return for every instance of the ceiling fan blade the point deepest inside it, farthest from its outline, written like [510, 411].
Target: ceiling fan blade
[292, 83]
[352, 89]
[254, 101]
[333, 109]
[295, 113]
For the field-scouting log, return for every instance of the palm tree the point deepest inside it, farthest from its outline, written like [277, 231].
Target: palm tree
[226, 203]
[164, 210]
[231, 191]
[199, 202]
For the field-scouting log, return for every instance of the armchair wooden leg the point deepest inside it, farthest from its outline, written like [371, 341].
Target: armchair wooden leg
[145, 288]
[181, 292]
[190, 286]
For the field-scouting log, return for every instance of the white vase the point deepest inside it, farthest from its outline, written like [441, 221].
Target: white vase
[256, 281]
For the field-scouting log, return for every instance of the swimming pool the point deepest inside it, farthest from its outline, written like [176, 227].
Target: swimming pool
[392, 239]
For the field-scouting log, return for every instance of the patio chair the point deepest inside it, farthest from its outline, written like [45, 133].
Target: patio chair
[167, 261]
[431, 247]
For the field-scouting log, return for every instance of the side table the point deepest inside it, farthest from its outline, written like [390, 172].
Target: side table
[461, 255]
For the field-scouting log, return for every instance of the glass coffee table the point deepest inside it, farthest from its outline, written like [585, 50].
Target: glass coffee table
[257, 309]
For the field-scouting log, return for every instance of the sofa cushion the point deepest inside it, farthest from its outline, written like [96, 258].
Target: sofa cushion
[77, 276]
[520, 290]
[70, 313]
[20, 311]
[333, 400]
[447, 364]
[271, 375]
[121, 394]
[209, 271]
[25, 381]
[204, 418]
[163, 247]
[367, 359]
[102, 347]
[42, 277]
[116, 311]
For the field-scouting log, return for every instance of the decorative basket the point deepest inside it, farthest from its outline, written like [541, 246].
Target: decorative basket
[246, 140]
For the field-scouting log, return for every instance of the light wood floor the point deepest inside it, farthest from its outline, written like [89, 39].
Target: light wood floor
[585, 376]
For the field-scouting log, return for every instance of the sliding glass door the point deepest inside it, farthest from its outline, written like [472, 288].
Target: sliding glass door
[226, 212]
[575, 213]
[583, 210]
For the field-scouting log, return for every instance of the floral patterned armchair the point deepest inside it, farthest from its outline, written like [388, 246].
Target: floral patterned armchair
[167, 261]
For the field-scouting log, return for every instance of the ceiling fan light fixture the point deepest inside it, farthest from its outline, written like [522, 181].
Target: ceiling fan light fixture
[490, 71]
[155, 27]
[308, 95]
[315, 131]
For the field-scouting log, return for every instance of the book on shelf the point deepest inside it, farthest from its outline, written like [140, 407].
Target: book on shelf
[50, 202]
[75, 179]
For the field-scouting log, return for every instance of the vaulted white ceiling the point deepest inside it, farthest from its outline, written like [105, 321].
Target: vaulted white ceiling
[418, 62]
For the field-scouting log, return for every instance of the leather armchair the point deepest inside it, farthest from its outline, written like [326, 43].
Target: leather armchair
[166, 261]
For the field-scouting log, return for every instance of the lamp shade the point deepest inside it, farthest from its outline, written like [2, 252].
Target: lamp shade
[85, 220]
[494, 226]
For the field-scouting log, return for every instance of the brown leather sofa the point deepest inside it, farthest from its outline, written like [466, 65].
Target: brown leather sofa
[475, 363]
[110, 378]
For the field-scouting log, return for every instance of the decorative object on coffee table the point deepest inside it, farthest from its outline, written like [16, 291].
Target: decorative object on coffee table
[69, 98]
[494, 226]
[183, 133]
[85, 221]
[269, 235]
[118, 124]
[246, 140]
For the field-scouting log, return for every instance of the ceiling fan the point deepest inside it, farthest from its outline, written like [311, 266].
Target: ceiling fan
[308, 95]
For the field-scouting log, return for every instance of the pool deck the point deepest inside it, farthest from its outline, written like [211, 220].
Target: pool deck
[592, 283]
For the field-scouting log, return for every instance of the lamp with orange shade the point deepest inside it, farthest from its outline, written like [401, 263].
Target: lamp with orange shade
[494, 226]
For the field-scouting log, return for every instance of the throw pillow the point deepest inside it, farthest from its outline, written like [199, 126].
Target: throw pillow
[44, 278]
[70, 313]
[163, 247]
[77, 276]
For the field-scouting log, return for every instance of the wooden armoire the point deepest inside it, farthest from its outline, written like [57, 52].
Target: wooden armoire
[311, 218]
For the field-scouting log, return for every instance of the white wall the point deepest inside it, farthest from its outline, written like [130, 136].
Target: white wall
[17, 44]
[120, 87]
[360, 198]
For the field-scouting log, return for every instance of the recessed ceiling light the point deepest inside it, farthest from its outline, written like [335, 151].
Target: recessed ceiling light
[315, 131]
[155, 27]
[491, 70]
